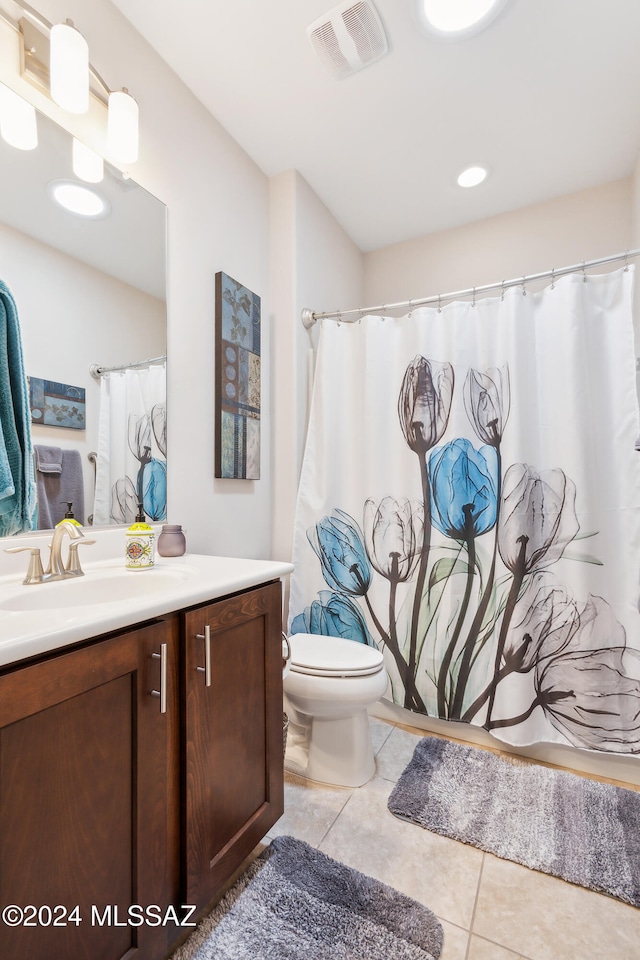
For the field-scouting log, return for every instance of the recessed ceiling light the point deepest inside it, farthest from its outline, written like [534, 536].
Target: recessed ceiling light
[78, 199]
[472, 176]
[454, 19]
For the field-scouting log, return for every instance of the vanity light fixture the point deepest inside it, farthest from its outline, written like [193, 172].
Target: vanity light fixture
[17, 120]
[122, 126]
[456, 19]
[55, 59]
[87, 164]
[79, 199]
[69, 68]
[472, 176]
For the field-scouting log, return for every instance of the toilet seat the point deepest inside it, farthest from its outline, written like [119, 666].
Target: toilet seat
[327, 693]
[321, 656]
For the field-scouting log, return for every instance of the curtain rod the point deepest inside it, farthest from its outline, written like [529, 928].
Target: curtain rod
[97, 371]
[309, 317]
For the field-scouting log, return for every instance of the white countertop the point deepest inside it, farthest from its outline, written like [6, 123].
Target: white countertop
[66, 612]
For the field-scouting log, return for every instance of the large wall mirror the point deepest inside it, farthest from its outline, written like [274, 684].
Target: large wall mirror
[89, 291]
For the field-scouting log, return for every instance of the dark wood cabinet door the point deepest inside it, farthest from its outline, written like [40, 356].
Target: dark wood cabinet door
[89, 806]
[233, 729]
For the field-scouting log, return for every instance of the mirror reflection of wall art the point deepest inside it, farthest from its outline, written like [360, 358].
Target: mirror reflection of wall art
[237, 403]
[57, 404]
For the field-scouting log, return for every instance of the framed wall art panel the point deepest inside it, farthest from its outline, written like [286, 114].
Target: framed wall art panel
[237, 381]
[57, 404]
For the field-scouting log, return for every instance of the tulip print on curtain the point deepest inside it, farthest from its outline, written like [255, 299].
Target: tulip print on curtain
[132, 446]
[470, 504]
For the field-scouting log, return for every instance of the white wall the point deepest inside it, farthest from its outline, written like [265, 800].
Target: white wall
[579, 226]
[313, 264]
[72, 316]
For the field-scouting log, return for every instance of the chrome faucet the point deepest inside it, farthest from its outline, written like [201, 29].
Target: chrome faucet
[56, 569]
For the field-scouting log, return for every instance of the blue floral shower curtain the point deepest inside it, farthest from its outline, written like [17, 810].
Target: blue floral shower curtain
[470, 504]
[132, 446]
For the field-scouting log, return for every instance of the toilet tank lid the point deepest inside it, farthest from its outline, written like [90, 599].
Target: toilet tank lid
[332, 654]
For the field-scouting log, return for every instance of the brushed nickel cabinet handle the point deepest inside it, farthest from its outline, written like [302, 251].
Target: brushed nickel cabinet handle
[285, 657]
[206, 636]
[162, 692]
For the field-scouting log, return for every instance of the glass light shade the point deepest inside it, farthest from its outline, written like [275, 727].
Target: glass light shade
[122, 127]
[87, 164]
[472, 176]
[18, 126]
[78, 199]
[457, 18]
[69, 68]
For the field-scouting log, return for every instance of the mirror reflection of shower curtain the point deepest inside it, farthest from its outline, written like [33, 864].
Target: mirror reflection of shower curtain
[470, 503]
[132, 446]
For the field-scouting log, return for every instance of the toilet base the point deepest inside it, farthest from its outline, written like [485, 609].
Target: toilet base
[334, 751]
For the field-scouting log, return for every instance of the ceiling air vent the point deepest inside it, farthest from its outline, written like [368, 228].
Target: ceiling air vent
[348, 38]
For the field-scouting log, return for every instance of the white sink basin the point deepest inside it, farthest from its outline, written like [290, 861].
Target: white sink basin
[96, 587]
[36, 619]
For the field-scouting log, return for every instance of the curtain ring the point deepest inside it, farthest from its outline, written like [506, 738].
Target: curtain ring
[439, 304]
[410, 307]
[473, 302]
[502, 297]
[626, 263]
[553, 278]
[524, 289]
[584, 275]
[339, 317]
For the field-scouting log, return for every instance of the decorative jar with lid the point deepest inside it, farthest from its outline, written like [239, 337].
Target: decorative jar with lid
[171, 542]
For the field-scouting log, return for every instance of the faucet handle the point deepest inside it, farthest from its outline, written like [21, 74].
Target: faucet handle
[35, 573]
[73, 563]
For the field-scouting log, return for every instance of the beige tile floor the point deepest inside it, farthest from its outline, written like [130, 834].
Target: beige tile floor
[490, 909]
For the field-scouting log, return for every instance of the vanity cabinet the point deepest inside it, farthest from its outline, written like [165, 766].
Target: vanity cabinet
[112, 796]
[89, 798]
[233, 731]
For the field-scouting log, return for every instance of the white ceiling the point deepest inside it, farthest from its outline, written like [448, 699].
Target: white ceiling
[548, 95]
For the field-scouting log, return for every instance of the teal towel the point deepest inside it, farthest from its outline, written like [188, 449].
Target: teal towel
[18, 503]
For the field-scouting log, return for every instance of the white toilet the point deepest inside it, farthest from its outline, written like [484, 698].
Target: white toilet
[328, 686]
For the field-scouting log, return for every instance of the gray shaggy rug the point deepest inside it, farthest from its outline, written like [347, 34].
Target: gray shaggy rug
[550, 820]
[295, 903]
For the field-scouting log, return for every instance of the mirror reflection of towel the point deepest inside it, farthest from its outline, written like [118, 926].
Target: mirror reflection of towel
[48, 459]
[17, 480]
[55, 490]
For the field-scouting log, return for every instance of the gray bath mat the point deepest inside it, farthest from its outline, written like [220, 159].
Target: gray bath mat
[557, 822]
[295, 903]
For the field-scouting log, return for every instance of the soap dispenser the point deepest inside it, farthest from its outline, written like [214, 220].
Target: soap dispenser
[140, 543]
[69, 517]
